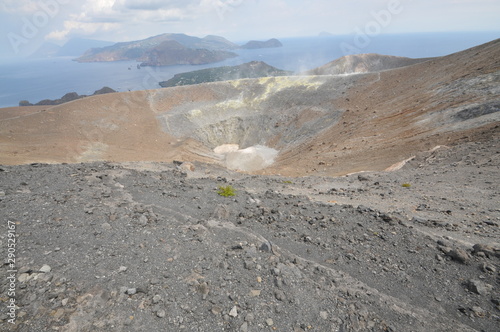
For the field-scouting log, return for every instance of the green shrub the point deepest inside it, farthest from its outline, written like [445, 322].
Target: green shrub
[406, 185]
[226, 191]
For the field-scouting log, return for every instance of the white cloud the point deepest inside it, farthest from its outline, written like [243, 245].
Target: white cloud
[120, 20]
[81, 29]
[18, 7]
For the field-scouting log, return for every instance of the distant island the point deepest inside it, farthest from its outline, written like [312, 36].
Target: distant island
[66, 98]
[165, 50]
[252, 69]
[254, 44]
[173, 49]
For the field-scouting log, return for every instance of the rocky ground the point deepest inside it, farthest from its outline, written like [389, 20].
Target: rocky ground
[153, 247]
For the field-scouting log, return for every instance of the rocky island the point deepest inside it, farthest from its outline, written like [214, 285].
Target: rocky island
[165, 50]
[254, 44]
[252, 69]
[70, 96]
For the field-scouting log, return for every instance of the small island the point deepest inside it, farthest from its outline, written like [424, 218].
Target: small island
[254, 69]
[70, 96]
[254, 44]
[165, 50]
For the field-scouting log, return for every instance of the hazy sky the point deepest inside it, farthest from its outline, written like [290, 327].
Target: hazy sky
[26, 24]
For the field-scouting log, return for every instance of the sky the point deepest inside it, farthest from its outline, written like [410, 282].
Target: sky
[26, 24]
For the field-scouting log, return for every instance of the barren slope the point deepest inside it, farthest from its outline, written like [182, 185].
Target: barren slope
[106, 247]
[326, 125]
[364, 63]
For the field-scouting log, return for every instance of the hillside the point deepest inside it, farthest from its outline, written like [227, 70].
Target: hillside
[363, 63]
[363, 203]
[319, 124]
[252, 69]
[165, 49]
[173, 53]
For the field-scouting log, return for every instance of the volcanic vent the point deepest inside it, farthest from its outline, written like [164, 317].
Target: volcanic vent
[247, 123]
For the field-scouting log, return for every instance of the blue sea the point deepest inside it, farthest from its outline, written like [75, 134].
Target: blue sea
[51, 78]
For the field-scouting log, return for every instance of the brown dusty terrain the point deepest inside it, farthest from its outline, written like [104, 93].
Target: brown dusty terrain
[326, 125]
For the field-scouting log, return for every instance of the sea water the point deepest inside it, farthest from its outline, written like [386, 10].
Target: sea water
[51, 78]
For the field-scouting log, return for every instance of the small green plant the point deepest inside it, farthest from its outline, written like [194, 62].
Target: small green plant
[406, 185]
[287, 182]
[226, 191]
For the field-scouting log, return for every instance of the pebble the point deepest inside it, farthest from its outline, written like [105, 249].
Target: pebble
[23, 277]
[488, 250]
[161, 313]
[323, 314]
[45, 269]
[362, 177]
[459, 255]
[25, 269]
[479, 287]
[143, 220]
[131, 291]
[43, 277]
[265, 247]
[106, 226]
[233, 312]
[156, 299]
[488, 268]
[203, 289]
[250, 265]
[216, 310]
[122, 269]
[187, 166]
[478, 311]
[58, 314]
[280, 295]
[269, 322]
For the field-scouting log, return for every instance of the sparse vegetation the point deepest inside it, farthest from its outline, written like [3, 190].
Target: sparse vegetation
[406, 185]
[226, 191]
